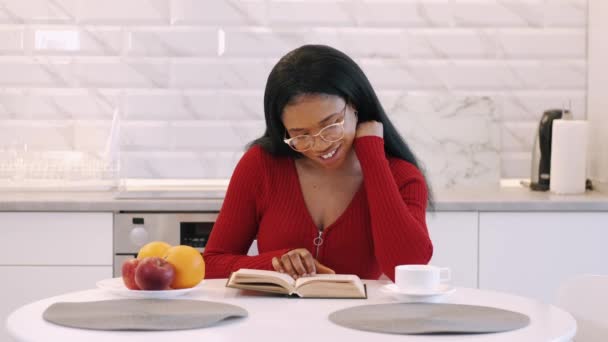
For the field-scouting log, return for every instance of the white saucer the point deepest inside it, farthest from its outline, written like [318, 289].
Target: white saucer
[416, 295]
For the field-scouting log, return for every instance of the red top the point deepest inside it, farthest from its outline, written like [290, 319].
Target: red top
[383, 226]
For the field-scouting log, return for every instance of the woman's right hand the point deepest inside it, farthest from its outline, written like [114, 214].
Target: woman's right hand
[298, 263]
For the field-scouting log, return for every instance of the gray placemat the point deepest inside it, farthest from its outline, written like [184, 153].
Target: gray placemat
[141, 314]
[424, 318]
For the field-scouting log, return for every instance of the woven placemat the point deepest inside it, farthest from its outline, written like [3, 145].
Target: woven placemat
[425, 318]
[141, 314]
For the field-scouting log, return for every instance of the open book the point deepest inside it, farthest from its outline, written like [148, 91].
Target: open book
[318, 286]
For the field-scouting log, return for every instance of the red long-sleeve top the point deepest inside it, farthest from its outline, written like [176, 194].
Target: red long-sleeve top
[383, 226]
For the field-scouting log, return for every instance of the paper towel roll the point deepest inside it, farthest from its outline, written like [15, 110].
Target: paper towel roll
[568, 156]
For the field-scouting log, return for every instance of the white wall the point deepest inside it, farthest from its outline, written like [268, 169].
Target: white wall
[598, 88]
[464, 80]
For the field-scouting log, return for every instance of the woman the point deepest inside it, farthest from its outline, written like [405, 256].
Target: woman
[329, 187]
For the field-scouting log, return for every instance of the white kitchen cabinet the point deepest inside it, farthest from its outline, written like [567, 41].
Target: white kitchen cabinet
[57, 238]
[454, 236]
[49, 253]
[531, 253]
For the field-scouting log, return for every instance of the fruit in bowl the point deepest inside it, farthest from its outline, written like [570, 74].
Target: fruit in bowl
[160, 266]
[154, 273]
[153, 249]
[128, 273]
[189, 266]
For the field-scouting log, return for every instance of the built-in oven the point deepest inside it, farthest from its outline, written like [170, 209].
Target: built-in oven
[134, 229]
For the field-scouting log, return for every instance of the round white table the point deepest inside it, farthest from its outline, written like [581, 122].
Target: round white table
[274, 318]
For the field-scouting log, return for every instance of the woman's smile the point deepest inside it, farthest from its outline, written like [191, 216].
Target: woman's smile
[331, 156]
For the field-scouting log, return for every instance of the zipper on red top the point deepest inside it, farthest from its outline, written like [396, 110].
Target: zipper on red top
[318, 241]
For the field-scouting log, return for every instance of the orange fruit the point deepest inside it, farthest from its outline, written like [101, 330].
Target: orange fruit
[153, 249]
[189, 266]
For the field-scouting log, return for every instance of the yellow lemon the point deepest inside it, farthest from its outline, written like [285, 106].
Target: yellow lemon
[153, 249]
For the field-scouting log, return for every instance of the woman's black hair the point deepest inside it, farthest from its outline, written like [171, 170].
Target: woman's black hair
[323, 70]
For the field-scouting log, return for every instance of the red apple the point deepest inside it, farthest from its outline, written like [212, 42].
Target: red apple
[154, 273]
[128, 273]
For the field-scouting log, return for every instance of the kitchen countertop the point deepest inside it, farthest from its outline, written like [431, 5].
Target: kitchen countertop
[487, 199]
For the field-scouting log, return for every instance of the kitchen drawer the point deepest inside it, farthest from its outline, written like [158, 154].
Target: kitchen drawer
[52, 238]
[25, 284]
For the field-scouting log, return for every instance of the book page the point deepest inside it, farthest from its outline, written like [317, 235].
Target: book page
[336, 278]
[252, 278]
[331, 285]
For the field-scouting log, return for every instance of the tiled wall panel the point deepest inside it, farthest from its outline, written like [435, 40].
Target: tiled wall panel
[465, 81]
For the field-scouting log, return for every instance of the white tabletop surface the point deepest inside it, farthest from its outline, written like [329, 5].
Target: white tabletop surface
[292, 319]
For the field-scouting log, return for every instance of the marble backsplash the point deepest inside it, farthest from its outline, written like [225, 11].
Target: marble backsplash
[465, 81]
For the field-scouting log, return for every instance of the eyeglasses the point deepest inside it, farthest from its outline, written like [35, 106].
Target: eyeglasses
[330, 133]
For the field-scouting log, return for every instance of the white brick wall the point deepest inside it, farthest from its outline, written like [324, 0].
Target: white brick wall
[596, 99]
[112, 72]
[465, 80]
[482, 13]
[11, 40]
[542, 44]
[92, 40]
[248, 73]
[59, 104]
[31, 72]
[38, 135]
[395, 13]
[218, 12]
[38, 11]
[174, 42]
[124, 12]
[201, 105]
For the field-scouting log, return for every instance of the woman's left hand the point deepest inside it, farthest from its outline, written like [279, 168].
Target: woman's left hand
[369, 128]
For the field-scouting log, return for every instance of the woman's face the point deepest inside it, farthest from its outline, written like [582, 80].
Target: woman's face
[309, 115]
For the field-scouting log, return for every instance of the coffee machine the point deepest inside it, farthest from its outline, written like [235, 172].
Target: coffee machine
[541, 151]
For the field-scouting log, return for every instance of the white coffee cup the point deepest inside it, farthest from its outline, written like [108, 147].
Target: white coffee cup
[421, 277]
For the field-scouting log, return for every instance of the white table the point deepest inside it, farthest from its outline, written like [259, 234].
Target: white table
[292, 319]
